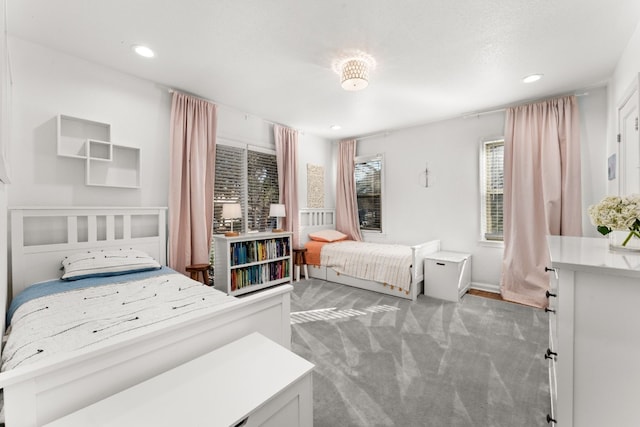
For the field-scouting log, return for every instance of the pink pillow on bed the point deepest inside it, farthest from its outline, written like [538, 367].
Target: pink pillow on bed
[327, 236]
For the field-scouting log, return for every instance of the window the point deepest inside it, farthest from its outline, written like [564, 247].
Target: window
[492, 189]
[262, 181]
[368, 174]
[248, 176]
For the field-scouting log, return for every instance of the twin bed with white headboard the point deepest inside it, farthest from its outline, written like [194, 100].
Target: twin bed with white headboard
[359, 264]
[40, 389]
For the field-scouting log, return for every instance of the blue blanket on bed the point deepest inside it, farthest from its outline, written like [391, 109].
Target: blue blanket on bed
[56, 286]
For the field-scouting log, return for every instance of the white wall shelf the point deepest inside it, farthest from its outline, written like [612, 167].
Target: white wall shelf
[107, 164]
[112, 165]
[73, 133]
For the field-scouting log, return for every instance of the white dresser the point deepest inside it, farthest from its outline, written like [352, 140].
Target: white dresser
[250, 382]
[594, 342]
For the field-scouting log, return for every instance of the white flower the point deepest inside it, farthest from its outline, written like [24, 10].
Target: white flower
[616, 213]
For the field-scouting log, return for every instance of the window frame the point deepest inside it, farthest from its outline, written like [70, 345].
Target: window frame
[364, 159]
[245, 180]
[484, 143]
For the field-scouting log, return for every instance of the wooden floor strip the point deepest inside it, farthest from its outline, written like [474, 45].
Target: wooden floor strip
[485, 294]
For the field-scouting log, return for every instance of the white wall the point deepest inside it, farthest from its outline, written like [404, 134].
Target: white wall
[5, 96]
[449, 209]
[316, 151]
[48, 83]
[624, 75]
[593, 137]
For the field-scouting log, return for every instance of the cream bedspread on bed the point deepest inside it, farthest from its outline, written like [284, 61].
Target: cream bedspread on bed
[386, 263]
[87, 317]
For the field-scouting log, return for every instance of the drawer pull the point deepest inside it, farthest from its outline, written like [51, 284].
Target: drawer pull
[243, 422]
[550, 420]
[549, 294]
[549, 354]
[549, 310]
[440, 263]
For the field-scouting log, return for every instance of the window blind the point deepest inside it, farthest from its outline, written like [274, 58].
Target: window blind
[494, 189]
[262, 186]
[368, 177]
[228, 186]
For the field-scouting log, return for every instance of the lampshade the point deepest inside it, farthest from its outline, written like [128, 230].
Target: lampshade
[231, 210]
[277, 210]
[355, 74]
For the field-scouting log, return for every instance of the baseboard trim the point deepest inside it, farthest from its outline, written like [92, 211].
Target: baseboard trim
[487, 287]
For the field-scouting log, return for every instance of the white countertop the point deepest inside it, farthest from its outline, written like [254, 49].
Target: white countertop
[592, 254]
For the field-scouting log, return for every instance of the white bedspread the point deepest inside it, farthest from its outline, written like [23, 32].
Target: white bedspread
[89, 317]
[385, 263]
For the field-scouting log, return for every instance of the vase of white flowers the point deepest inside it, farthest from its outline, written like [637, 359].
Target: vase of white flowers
[618, 217]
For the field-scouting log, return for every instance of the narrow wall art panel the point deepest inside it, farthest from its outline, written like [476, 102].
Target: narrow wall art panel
[315, 186]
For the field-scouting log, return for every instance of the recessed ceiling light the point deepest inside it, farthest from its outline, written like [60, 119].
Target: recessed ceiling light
[335, 127]
[532, 78]
[143, 51]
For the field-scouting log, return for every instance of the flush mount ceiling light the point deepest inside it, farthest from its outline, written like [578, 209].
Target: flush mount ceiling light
[143, 51]
[532, 78]
[335, 127]
[354, 70]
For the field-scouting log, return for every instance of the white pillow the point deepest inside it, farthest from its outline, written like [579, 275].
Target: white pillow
[327, 236]
[106, 263]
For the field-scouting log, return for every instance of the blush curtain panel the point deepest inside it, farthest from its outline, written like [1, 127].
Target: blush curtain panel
[287, 159]
[542, 192]
[191, 179]
[346, 198]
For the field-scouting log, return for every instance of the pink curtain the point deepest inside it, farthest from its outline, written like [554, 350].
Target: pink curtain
[542, 192]
[287, 158]
[346, 203]
[191, 178]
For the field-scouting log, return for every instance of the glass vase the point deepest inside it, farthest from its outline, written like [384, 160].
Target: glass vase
[624, 241]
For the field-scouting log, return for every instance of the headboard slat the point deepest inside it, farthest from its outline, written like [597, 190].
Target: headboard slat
[92, 225]
[72, 229]
[111, 228]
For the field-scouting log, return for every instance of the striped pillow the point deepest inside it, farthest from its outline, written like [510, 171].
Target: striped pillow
[106, 263]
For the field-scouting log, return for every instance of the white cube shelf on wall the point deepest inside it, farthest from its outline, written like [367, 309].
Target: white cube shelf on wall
[107, 164]
[112, 165]
[73, 133]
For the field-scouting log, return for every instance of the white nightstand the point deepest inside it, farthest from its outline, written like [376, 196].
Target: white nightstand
[447, 275]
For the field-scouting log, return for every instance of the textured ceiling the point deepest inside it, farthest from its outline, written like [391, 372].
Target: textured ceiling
[273, 58]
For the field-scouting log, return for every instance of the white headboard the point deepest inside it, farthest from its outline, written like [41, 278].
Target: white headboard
[315, 219]
[42, 236]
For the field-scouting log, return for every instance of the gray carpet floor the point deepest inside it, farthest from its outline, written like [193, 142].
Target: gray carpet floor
[386, 361]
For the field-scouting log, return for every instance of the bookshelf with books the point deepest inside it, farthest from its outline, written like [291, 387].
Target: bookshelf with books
[252, 261]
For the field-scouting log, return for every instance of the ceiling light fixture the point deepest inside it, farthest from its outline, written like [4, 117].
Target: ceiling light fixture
[143, 51]
[354, 70]
[532, 78]
[335, 127]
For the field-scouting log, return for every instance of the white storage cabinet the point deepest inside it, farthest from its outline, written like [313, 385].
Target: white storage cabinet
[594, 347]
[251, 382]
[447, 275]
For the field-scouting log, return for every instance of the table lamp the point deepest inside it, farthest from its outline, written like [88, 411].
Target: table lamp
[231, 211]
[277, 211]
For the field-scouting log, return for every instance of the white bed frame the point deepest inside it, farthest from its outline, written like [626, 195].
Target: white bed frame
[323, 219]
[42, 392]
